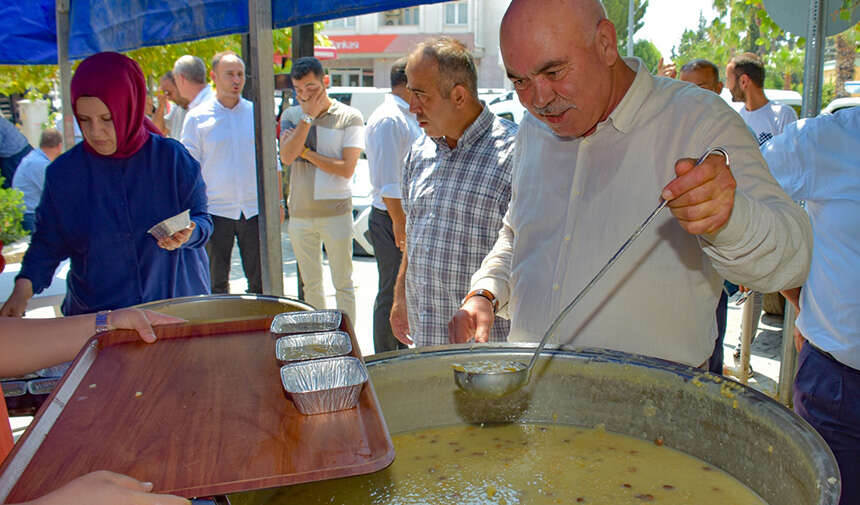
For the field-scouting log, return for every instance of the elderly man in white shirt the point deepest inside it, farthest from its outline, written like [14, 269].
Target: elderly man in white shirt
[189, 74]
[592, 160]
[219, 134]
[389, 134]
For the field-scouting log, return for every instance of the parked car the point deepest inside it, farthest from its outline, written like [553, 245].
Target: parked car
[365, 99]
[361, 207]
[510, 109]
[841, 103]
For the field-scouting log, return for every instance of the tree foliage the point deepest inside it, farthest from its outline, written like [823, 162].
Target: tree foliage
[744, 26]
[648, 53]
[11, 214]
[617, 11]
[155, 60]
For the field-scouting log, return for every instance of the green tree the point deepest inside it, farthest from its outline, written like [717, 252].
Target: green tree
[11, 214]
[617, 11]
[154, 61]
[648, 53]
[744, 26]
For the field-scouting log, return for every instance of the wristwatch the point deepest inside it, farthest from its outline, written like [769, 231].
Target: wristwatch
[102, 324]
[307, 118]
[485, 294]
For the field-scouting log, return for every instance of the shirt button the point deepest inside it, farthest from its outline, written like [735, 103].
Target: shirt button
[555, 287]
[567, 238]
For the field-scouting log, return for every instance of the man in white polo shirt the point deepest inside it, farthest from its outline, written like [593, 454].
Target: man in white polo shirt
[321, 139]
[219, 134]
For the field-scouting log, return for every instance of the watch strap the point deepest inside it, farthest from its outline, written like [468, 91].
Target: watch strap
[102, 324]
[484, 293]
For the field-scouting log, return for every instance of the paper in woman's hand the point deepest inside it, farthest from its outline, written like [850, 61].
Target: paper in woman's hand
[171, 225]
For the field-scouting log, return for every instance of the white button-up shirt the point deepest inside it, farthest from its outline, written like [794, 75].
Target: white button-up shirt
[576, 200]
[204, 95]
[389, 133]
[818, 160]
[222, 140]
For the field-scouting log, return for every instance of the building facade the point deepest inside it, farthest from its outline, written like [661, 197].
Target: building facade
[368, 45]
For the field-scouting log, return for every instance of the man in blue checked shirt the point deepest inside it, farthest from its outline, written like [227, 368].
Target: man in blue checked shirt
[456, 189]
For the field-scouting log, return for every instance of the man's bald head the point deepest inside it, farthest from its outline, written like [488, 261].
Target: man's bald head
[579, 16]
[562, 57]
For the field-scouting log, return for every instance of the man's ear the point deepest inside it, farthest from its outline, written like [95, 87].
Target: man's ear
[212, 75]
[606, 41]
[326, 81]
[458, 95]
[719, 87]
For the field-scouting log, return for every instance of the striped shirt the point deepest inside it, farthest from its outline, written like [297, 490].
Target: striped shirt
[454, 200]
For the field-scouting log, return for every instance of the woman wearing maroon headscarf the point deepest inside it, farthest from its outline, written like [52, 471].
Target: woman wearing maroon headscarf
[103, 195]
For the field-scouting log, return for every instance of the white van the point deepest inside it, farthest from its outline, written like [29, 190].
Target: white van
[365, 99]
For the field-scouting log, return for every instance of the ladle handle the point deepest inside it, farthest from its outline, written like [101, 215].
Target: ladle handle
[608, 265]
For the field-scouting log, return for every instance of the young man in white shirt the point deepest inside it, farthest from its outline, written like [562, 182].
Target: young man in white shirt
[219, 134]
[745, 80]
[604, 142]
[389, 133]
[321, 139]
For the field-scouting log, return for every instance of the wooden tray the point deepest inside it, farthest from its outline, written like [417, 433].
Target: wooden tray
[201, 412]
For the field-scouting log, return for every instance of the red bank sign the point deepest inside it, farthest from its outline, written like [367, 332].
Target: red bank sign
[350, 44]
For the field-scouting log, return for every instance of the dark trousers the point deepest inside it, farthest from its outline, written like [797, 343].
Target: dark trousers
[826, 396]
[715, 362]
[220, 250]
[387, 263]
[10, 164]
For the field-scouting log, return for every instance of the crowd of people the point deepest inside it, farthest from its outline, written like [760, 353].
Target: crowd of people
[483, 229]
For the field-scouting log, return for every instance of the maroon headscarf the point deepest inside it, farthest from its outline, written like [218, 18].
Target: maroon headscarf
[117, 81]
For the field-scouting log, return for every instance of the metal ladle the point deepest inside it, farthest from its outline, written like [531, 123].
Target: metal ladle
[497, 379]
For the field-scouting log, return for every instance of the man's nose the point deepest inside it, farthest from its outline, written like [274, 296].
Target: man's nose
[543, 93]
[413, 105]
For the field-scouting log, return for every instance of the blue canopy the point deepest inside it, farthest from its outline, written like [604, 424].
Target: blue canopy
[28, 28]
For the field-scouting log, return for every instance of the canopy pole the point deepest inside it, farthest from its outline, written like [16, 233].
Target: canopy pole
[811, 104]
[812, 71]
[260, 57]
[62, 7]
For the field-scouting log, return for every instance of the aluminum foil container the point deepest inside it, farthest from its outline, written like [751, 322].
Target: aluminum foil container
[305, 322]
[171, 225]
[326, 344]
[11, 389]
[54, 371]
[324, 385]
[42, 386]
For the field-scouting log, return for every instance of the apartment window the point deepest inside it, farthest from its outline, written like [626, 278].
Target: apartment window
[398, 17]
[341, 23]
[457, 13]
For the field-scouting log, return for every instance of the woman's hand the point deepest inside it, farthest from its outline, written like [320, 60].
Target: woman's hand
[177, 239]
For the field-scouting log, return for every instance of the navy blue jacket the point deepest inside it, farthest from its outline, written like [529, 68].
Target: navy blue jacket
[97, 211]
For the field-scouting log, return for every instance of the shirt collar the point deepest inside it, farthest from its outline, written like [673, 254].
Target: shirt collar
[41, 154]
[624, 115]
[235, 108]
[399, 102]
[473, 132]
[202, 95]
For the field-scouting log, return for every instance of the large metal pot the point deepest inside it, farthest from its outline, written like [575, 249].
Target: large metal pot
[219, 308]
[755, 439]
